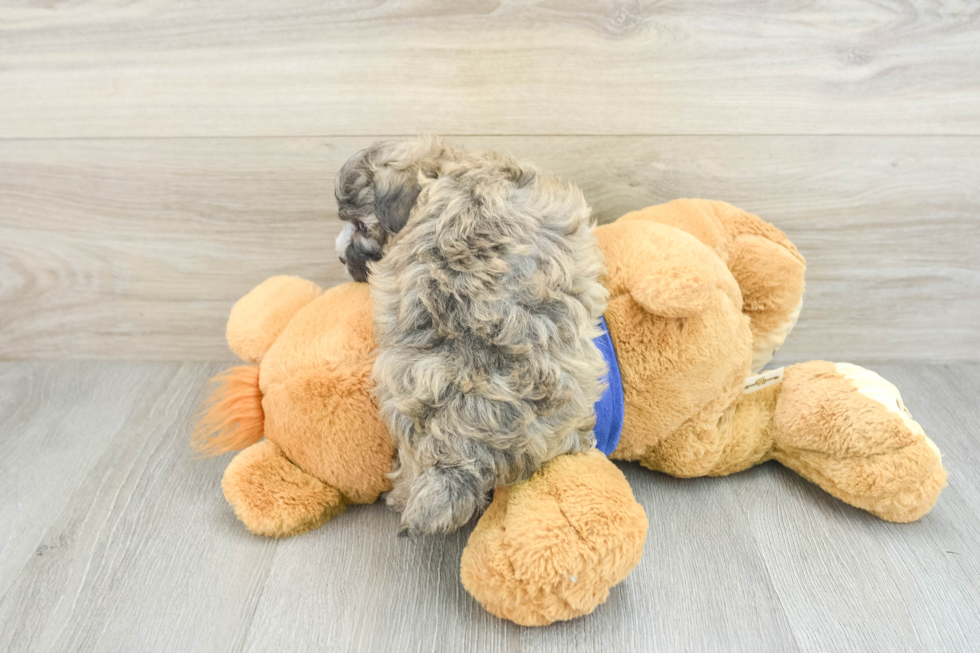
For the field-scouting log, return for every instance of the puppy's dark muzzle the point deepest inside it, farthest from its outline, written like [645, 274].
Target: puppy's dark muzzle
[357, 262]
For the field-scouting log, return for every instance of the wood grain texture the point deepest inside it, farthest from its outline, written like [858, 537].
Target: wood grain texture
[137, 549]
[128, 249]
[842, 575]
[128, 560]
[46, 424]
[299, 67]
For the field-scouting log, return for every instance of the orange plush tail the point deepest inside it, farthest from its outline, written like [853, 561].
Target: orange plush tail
[232, 416]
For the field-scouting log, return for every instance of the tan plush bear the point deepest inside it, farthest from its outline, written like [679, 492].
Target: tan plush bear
[701, 295]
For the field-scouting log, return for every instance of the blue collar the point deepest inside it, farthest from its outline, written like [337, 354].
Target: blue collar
[611, 407]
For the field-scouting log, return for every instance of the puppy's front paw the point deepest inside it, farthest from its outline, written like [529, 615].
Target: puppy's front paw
[397, 498]
[441, 500]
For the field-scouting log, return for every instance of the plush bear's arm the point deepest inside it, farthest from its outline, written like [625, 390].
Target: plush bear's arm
[259, 317]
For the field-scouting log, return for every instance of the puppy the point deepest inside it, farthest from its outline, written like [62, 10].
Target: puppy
[485, 282]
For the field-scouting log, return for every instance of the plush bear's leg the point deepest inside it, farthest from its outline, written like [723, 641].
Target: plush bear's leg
[768, 268]
[551, 547]
[274, 497]
[846, 429]
[259, 317]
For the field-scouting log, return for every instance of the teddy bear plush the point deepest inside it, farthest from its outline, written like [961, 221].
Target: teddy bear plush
[701, 295]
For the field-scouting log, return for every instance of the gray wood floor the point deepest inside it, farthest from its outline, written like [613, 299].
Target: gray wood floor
[114, 538]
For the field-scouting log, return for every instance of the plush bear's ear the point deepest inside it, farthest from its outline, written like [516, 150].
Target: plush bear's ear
[259, 317]
[666, 271]
[676, 290]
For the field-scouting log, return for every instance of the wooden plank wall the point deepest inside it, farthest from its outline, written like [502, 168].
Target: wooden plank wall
[157, 159]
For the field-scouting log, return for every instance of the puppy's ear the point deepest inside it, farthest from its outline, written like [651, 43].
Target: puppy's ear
[395, 192]
[353, 180]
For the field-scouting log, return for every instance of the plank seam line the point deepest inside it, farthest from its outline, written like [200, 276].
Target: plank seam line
[18, 139]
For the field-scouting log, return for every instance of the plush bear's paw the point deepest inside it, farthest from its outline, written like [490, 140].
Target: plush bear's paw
[551, 547]
[274, 497]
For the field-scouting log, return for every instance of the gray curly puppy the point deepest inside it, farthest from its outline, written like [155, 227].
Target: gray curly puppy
[485, 281]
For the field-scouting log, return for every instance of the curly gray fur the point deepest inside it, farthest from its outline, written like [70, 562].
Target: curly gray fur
[486, 303]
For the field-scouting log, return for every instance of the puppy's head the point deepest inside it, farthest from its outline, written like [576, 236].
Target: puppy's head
[376, 190]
